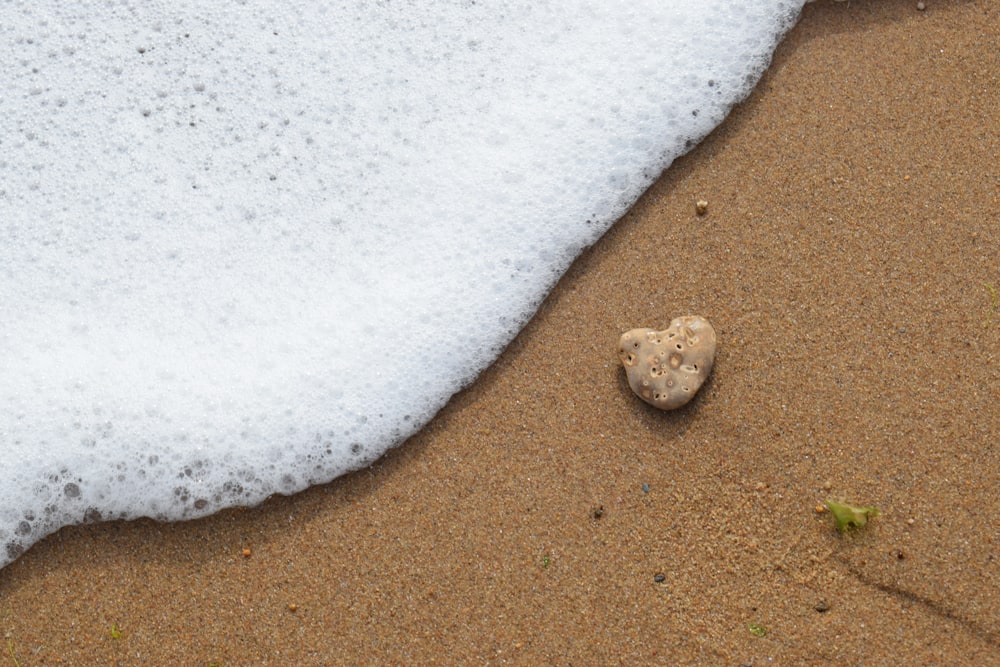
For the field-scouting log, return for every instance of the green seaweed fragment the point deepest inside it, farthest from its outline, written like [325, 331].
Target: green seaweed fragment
[849, 516]
[10, 652]
[115, 632]
[757, 630]
[546, 561]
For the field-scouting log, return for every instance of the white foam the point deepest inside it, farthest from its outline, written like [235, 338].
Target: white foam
[246, 246]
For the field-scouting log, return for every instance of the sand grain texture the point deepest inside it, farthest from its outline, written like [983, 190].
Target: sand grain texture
[854, 224]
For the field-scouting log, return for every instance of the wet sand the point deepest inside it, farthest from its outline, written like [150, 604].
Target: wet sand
[547, 516]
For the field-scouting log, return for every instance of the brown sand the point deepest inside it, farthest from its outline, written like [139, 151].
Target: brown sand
[854, 223]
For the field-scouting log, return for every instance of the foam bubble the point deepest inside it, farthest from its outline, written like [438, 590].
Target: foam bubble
[247, 246]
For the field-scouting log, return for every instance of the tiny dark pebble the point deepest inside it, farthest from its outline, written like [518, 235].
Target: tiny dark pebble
[645, 487]
[597, 512]
[659, 578]
[822, 606]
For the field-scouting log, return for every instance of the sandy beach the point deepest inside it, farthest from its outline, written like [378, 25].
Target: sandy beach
[850, 262]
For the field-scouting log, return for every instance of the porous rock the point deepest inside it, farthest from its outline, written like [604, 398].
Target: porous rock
[666, 368]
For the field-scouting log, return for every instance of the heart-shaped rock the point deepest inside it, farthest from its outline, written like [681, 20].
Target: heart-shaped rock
[666, 368]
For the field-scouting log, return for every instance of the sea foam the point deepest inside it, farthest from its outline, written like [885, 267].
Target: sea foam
[248, 245]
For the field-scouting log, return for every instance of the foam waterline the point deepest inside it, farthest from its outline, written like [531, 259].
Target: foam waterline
[247, 248]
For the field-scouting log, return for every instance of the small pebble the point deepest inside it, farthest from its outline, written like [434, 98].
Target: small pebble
[293, 607]
[701, 207]
[659, 578]
[246, 553]
[921, 6]
[645, 487]
[822, 606]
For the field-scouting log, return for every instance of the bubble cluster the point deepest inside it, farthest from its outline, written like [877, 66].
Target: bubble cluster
[248, 245]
